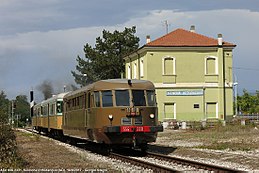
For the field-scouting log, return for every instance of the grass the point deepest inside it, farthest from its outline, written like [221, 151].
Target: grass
[233, 137]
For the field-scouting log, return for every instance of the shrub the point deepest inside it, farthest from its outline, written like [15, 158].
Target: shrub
[8, 147]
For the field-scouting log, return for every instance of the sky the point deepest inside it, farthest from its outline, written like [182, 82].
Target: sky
[40, 40]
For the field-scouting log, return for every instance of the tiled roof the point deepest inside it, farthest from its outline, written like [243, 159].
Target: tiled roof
[184, 38]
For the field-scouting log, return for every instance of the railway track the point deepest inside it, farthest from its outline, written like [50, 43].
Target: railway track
[144, 164]
[174, 164]
[191, 163]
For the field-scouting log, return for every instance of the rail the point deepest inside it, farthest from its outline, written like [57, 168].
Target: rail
[198, 165]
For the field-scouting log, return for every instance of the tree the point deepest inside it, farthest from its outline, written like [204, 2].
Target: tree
[4, 108]
[105, 61]
[248, 103]
[7, 136]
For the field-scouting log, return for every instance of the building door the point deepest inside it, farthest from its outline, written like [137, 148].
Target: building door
[169, 111]
[211, 110]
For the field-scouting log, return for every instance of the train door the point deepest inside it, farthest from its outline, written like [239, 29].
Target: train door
[88, 108]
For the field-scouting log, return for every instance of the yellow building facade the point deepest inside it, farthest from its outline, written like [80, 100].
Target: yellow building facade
[192, 74]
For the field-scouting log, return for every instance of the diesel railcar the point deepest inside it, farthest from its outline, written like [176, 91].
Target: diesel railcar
[48, 115]
[114, 112]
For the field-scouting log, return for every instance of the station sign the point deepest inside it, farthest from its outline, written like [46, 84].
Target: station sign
[185, 93]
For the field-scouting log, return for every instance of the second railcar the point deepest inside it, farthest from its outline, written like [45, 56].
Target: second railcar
[114, 112]
[48, 115]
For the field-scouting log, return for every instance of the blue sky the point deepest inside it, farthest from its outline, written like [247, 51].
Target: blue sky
[40, 40]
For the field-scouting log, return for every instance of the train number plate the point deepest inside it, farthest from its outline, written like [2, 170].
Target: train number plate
[134, 129]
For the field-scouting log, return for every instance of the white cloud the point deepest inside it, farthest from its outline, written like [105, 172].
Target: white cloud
[36, 56]
[237, 26]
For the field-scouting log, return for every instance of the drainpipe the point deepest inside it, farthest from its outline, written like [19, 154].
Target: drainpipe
[220, 46]
[204, 104]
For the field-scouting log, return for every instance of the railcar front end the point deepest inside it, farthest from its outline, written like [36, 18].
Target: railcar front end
[114, 112]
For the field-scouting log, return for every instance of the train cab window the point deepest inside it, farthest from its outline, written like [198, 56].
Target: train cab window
[122, 97]
[107, 98]
[151, 98]
[59, 107]
[97, 98]
[138, 98]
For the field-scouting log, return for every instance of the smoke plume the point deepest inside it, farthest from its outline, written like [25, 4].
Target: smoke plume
[46, 88]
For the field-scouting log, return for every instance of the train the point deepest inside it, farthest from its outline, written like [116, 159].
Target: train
[114, 112]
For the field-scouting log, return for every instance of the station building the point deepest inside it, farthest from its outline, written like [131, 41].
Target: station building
[192, 74]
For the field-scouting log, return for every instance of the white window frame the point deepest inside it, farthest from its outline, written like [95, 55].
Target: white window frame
[163, 64]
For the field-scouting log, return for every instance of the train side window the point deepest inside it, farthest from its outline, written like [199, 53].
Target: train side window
[151, 98]
[107, 98]
[138, 98]
[122, 97]
[80, 102]
[97, 98]
[59, 107]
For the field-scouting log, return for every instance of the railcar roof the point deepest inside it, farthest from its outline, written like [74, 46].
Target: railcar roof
[54, 97]
[115, 83]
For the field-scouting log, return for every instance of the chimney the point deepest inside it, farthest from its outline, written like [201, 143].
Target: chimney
[148, 39]
[220, 40]
[192, 29]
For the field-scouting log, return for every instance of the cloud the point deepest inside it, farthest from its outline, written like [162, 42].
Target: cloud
[238, 26]
[28, 58]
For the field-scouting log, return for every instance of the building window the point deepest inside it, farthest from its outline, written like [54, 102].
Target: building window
[211, 66]
[135, 71]
[129, 72]
[141, 68]
[196, 106]
[168, 66]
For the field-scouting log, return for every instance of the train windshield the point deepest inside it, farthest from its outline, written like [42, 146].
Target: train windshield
[107, 98]
[138, 98]
[151, 98]
[122, 97]
[59, 106]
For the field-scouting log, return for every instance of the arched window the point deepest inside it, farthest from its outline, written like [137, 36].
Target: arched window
[168, 66]
[211, 65]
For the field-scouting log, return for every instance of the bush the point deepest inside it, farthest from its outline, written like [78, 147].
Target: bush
[8, 148]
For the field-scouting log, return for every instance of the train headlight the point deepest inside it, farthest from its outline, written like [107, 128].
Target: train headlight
[110, 117]
[152, 116]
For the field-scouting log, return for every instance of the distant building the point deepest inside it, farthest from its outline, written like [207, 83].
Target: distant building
[192, 74]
